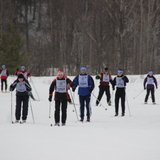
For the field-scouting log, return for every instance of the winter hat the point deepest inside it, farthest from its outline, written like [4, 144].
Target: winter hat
[20, 76]
[120, 71]
[106, 68]
[60, 72]
[3, 66]
[83, 69]
[150, 72]
[23, 67]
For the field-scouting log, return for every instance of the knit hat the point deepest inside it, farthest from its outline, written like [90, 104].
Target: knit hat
[60, 72]
[3, 66]
[150, 72]
[106, 68]
[20, 76]
[120, 71]
[23, 67]
[83, 69]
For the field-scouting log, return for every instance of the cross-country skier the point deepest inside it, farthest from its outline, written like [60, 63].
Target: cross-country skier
[60, 85]
[150, 83]
[22, 96]
[4, 75]
[86, 85]
[120, 82]
[23, 71]
[105, 78]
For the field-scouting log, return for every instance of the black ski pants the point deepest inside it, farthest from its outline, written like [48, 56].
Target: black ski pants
[22, 98]
[3, 81]
[103, 89]
[63, 106]
[148, 93]
[120, 94]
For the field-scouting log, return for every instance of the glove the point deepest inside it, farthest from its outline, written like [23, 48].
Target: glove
[69, 100]
[11, 88]
[73, 89]
[113, 88]
[50, 98]
[144, 88]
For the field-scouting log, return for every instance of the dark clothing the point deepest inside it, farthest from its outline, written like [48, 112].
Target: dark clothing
[61, 97]
[3, 81]
[23, 98]
[22, 89]
[149, 82]
[120, 94]
[120, 83]
[63, 106]
[103, 89]
[148, 93]
[85, 101]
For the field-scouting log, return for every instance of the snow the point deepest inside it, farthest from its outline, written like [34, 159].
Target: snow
[133, 137]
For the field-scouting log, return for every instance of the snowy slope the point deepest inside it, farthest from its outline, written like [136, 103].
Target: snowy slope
[135, 137]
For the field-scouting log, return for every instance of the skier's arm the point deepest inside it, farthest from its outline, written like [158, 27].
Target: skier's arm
[28, 86]
[75, 83]
[91, 84]
[144, 83]
[51, 90]
[155, 81]
[126, 80]
[13, 85]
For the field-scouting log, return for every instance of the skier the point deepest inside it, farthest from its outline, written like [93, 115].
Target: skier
[4, 76]
[23, 71]
[120, 82]
[23, 90]
[149, 83]
[86, 85]
[60, 84]
[105, 78]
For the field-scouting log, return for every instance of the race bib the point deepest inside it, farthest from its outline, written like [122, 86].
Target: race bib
[61, 86]
[83, 81]
[150, 81]
[21, 87]
[4, 73]
[119, 82]
[105, 77]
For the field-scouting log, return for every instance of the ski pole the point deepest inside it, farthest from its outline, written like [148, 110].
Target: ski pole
[138, 94]
[11, 107]
[99, 101]
[128, 106]
[112, 96]
[50, 109]
[74, 105]
[32, 112]
[35, 88]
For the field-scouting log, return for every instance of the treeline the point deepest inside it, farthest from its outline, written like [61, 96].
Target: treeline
[49, 34]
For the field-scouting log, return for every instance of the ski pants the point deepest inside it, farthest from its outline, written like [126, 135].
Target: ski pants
[85, 101]
[60, 104]
[103, 89]
[148, 93]
[120, 94]
[3, 81]
[23, 98]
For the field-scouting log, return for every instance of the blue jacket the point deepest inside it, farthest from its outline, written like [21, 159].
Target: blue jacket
[84, 91]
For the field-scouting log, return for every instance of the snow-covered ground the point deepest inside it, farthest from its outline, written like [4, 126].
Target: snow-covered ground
[135, 137]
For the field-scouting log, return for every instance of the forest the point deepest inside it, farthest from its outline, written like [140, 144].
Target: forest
[46, 35]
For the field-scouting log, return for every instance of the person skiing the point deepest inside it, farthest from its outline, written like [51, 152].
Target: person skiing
[23, 71]
[60, 85]
[23, 89]
[86, 86]
[150, 83]
[120, 82]
[4, 75]
[105, 78]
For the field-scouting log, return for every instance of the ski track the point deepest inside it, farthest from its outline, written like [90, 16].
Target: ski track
[135, 137]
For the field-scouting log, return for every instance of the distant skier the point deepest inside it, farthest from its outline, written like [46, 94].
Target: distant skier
[86, 85]
[150, 83]
[120, 82]
[4, 75]
[105, 78]
[23, 89]
[60, 85]
[23, 71]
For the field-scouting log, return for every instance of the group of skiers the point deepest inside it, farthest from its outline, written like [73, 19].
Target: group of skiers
[85, 83]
